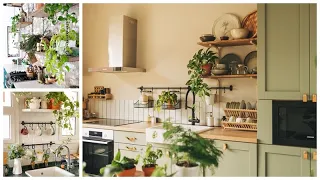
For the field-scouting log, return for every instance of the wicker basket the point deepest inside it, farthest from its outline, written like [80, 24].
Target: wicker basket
[250, 23]
[240, 126]
[243, 113]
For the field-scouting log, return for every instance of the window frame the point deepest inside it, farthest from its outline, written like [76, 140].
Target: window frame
[10, 110]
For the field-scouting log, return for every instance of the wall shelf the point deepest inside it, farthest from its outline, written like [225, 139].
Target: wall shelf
[24, 24]
[38, 13]
[227, 43]
[100, 96]
[38, 110]
[232, 76]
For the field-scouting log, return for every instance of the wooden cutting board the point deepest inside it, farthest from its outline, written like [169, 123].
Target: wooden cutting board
[5, 158]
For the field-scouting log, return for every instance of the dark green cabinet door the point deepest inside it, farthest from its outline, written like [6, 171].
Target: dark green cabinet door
[279, 161]
[283, 51]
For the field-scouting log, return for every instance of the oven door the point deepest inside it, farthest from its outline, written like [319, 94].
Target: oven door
[294, 123]
[96, 154]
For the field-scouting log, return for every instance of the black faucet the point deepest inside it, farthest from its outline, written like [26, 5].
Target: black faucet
[193, 120]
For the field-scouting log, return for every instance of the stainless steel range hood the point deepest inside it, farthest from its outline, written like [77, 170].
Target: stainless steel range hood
[122, 46]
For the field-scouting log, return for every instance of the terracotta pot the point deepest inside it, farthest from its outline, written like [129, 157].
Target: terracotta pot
[53, 106]
[39, 5]
[32, 58]
[169, 105]
[127, 173]
[148, 170]
[207, 69]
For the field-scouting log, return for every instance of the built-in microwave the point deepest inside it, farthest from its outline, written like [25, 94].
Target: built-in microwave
[294, 123]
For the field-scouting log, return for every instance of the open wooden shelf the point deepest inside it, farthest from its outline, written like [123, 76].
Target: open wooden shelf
[100, 96]
[232, 76]
[24, 24]
[38, 110]
[226, 43]
[38, 13]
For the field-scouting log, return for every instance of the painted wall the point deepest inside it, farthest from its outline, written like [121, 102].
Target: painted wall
[167, 39]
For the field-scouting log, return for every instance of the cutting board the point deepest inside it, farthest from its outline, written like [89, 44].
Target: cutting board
[5, 158]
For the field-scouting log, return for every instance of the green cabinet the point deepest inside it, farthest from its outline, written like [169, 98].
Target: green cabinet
[238, 159]
[313, 171]
[313, 49]
[276, 161]
[286, 48]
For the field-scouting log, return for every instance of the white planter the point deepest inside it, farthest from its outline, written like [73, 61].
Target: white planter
[17, 169]
[187, 172]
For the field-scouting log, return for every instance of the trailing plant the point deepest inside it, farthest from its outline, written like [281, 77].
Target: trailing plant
[150, 158]
[119, 164]
[14, 23]
[32, 158]
[190, 149]
[60, 12]
[195, 71]
[15, 151]
[68, 110]
[166, 97]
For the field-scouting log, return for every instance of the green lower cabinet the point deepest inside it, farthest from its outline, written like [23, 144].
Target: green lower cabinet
[165, 159]
[238, 159]
[278, 161]
[130, 151]
[313, 171]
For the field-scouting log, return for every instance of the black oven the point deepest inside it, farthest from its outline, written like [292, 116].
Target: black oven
[294, 123]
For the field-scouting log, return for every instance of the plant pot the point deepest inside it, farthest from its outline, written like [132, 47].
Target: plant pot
[54, 106]
[206, 69]
[46, 163]
[187, 171]
[148, 170]
[33, 165]
[32, 58]
[169, 105]
[17, 169]
[127, 173]
[39, 5]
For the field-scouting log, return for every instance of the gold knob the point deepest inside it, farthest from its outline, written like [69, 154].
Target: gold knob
[225, 146]
[304, 98]
[314, 156]
[131, 148]
[314, 98]
[131, 139]
[305, 155]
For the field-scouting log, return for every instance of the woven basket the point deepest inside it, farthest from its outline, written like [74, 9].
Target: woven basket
[250, 23]
[240, 126]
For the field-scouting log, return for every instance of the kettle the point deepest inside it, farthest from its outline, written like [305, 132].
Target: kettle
[34, 103]
[242, 69]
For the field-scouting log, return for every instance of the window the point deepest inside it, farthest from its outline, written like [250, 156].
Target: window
[12, 43]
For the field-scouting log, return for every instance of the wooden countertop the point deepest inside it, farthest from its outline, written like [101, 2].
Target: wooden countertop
[230, 135]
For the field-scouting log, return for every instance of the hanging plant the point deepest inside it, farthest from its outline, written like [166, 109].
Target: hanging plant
[60, 12]
[14, 23]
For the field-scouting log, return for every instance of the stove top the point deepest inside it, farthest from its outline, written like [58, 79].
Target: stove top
[18, 76]
[109, 122]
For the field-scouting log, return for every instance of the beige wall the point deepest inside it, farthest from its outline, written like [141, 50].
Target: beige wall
[167, 39]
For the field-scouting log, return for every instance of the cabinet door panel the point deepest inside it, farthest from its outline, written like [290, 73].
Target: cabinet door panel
[278, 161]
[313, 49]
[283, 51]
[313, 171]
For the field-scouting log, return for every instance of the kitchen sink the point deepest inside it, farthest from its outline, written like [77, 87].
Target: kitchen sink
[155, 134]
[49, 172]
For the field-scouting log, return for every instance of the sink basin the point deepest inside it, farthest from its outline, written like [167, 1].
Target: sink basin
[155, 134]
[49, 172]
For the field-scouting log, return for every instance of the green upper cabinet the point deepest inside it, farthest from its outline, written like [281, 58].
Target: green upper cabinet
[286, 48]
[279, 161]
[313, 49]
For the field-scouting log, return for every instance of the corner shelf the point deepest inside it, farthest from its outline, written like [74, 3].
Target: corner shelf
[38, 13]
[227, 43]
[24, 24]
[231, 76]
[38, 110]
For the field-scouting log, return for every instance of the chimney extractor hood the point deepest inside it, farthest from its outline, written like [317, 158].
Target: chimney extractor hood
[122, 46]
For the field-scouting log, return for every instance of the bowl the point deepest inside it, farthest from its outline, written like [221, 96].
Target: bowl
[207, 37]
[220, 66]
[240, 33]
[224, 38]
[219, 71]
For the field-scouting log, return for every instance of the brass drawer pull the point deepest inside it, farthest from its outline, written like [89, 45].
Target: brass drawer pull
[314, 156]
[131, 139]
[305, 155]
[131, 148]
[304, 98]
[314, 98]
[225, 146]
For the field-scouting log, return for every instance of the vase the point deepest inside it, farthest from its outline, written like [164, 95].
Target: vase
[17, 169]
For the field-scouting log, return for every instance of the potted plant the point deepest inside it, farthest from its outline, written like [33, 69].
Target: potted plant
[167, 98]
[55, 99]
[191, 151]
[16, 152]
[46, 159]
[150, 160]
[29, 45]
[122, 167]
[33, 161]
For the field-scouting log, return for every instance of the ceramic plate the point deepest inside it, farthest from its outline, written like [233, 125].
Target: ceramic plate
[251, 60]
[228, 58]
[224, 24]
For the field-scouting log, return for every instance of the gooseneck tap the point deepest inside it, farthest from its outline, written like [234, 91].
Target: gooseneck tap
[69, 159]
[193, 119]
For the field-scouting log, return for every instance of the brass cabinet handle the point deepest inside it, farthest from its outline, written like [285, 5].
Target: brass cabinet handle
[225, 146]
[132, 139]
[131, 148]
[314, 156]
[314, 98]
[305, 155]
[304, 98]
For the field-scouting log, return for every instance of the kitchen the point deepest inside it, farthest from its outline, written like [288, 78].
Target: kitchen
[42, 49]
[41, 138]
[127, 100]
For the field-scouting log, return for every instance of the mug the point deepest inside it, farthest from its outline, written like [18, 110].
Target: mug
[24, 131]
[38, 131]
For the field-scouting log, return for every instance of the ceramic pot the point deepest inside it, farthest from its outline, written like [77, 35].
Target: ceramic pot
[34, 103]
[17, 169]
[187, 171]
[55, 106]
[127, 173]
[39, 5]
[148, 170]
[168, 105]
[207, 69]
